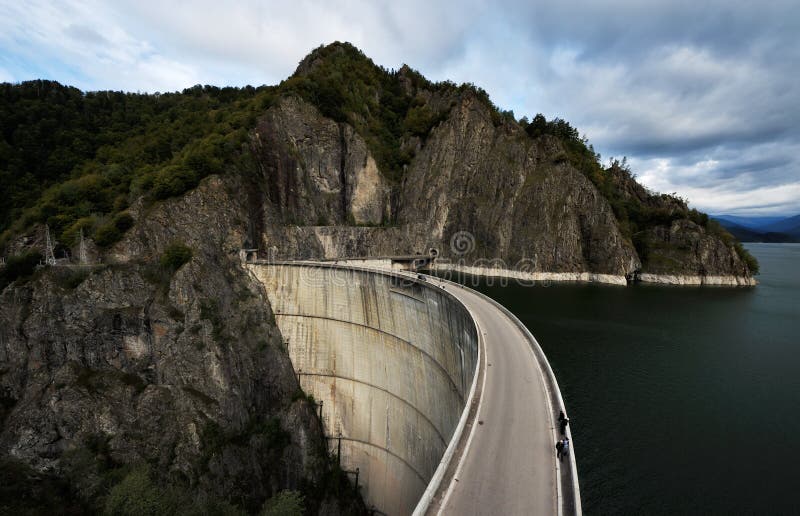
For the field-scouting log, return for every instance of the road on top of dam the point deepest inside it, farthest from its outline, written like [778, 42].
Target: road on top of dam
[507, 464]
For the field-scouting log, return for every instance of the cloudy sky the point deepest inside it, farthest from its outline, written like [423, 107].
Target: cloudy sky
[701, 96]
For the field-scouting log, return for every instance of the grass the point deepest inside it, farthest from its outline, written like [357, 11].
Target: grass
[20, 266]
[70, 278]
[175, 256]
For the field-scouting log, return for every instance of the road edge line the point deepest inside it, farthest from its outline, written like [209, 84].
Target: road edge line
[465, 451]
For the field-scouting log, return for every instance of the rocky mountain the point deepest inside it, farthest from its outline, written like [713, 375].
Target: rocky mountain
[156, 374]
[470, 176]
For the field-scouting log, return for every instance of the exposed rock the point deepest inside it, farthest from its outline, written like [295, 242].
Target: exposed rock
[318, 172]
[517, 200]
[672, 279]
[513, 196]
[684, 246]
[185, 371]
[492, 181]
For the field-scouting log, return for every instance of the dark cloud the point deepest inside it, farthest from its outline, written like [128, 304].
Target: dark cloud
[85, 34]
[614, 29]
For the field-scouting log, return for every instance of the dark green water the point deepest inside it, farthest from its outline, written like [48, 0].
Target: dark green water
[683, 400]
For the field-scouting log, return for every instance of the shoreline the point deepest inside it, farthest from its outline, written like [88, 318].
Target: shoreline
[696, 280]
[591, 277]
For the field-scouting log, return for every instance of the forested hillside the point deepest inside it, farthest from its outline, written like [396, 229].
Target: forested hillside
[76, 160]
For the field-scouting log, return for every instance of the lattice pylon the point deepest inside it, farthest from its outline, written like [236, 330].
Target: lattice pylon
[83, 258]
[49, 255]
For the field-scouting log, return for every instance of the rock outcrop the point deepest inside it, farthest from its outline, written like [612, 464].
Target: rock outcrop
[685, 246]
[317, 172]
[472, 176]
[131, 363]
[512, 195]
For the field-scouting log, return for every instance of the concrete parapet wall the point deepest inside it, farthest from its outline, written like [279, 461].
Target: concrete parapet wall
[374, 263]
[392, 360]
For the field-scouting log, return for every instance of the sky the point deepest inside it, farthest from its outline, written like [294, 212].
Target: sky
[702, 97]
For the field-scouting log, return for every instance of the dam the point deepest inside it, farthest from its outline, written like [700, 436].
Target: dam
[402, 368]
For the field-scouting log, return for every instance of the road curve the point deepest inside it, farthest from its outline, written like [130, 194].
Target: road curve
[507, 464]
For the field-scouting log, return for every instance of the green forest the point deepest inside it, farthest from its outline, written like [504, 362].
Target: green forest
[76, 160]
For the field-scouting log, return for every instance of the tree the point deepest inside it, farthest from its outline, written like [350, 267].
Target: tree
[285, 503]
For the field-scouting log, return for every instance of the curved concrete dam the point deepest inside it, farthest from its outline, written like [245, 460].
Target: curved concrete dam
[401, 366]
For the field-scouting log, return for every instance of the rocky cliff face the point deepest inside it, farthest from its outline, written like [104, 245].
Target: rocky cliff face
[679, 246]
[511, 194]
[683, 245]
[131, 363]
[317, 172]
[474, 176]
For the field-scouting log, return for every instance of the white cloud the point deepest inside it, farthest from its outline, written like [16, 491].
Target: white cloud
[707, 186]
[766, 200]
[74, 42]
[262, 43]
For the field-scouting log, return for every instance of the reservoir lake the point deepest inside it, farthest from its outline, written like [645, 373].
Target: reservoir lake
[682, 399]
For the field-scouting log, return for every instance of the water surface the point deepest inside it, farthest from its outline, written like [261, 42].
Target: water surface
[683, 399]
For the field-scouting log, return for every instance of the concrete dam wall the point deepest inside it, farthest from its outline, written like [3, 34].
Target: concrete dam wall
[391, 359]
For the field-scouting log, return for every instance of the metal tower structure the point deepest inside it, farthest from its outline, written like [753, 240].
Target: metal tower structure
[49, 255]
[83, 258]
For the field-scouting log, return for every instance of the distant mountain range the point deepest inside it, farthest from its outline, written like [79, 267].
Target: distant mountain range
[761, 229]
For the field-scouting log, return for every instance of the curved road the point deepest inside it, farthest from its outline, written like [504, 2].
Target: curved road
[507, 465]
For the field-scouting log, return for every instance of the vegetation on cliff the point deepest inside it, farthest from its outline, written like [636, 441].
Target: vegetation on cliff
[75, 160]
[636, 208]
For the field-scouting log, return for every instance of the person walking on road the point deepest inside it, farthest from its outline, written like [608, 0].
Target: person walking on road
[559, 449]
[563, 421]
[565, 450]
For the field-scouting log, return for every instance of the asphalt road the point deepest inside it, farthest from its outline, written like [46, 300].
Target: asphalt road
[508, 466]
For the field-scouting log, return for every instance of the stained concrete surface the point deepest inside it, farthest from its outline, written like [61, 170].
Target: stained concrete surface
[390, 358]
